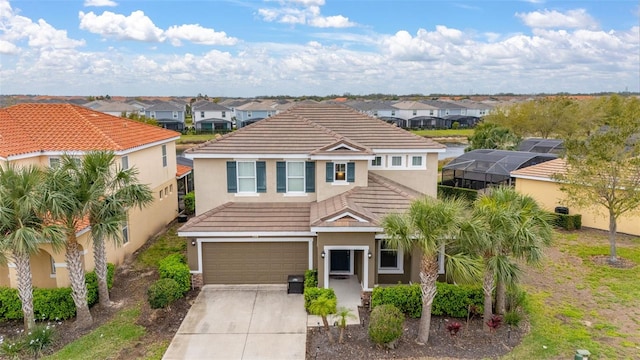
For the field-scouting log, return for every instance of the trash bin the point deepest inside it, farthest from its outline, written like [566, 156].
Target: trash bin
[582, 355]
[296, 284]
[562, 210]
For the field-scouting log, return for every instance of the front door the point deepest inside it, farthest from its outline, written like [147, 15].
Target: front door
[340, 261]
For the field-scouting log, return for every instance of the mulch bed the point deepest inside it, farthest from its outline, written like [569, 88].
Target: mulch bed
[622, 263]
[471, 342]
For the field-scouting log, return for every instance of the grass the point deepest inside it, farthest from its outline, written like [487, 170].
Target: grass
[167, 244]
[106, 340]
[444, 133]
[560, 324]
[194, 138]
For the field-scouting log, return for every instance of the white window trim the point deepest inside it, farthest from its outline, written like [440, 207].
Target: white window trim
[124, 159]
[398, 269]
[346, 176]
[165, 161]
[125, 228]
[304, 178]
[255, 179]
[396, 166]
[421, 166]
[371, 166]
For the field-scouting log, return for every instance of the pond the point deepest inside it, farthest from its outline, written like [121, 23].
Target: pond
[453, 150]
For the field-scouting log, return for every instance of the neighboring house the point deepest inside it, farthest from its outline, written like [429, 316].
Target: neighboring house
[412, 109]
[444, 108]
[472, 108]
[537, 181]
[304, 189]
[169, 115]
[378, 109]
[41, 133]
[255, 111]
[209, 116]
[114, 108]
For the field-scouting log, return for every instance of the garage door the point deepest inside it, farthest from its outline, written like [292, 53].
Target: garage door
[253, 263]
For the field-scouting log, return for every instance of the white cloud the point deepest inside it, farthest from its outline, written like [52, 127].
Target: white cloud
[100, 3]
[136, 26]
[304, 12]
[572, 19]
[8, 48]
[198, 35]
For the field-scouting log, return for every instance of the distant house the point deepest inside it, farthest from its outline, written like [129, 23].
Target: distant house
[377, 109]
[255, 111]
[411, 109]
[169, 115]
[39, 134]
[209, 116]
[115, 108]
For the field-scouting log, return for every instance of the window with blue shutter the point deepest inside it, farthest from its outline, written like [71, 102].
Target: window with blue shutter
[281, 176]
[310, 177]
[351, 172]
[232, 181]
[261, 176]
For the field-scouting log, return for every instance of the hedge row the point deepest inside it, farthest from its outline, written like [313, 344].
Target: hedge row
[175, 280]
[311, 278]
[451, 300]
[51, 304]
[458, 192]
[568, 222]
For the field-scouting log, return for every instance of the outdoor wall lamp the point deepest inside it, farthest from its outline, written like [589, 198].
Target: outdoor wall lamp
[323, 254]
[193, 243]
[369, 254]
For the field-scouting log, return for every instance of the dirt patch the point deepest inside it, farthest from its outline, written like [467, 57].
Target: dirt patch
[471, 341]
[621, 263]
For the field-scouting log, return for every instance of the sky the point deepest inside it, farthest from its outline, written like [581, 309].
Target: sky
[246, 48]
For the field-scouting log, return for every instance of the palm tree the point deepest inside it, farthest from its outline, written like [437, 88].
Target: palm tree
[511, 227]
[23, 228]
[117, 190]
[429, 225]
[343, 314]
[323, 306]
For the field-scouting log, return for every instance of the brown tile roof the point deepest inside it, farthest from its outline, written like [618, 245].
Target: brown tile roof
[29, 128]
[306, 128]
[381, 197]
[543, 170]
[182, 170]
[252, 217]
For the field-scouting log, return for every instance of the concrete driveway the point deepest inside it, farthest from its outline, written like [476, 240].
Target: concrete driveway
[242, 322]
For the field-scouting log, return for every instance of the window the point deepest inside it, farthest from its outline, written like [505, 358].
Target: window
[415, 112]
[201, 114]
[125, 233]
[396, 161]
[53, 265]
[377, 161]
[125, 162]
[175, 114]
[390, 261]
[431, 112]
[249, 115]
[153, 114]
[246, 177]
[160, 195]
[224, 114]
[295, 177]
[164, 155]
[393, 113]
[340, 172]
[416, 161]
[171, 189]
[166, 191]
[54, 162]
[375, 113]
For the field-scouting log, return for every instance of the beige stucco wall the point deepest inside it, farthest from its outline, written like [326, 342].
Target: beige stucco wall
[345, 239]
[424, 181]
[326, 189]
[548, 195]
[142, 224]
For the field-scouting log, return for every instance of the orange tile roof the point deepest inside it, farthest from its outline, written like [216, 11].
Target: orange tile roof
[542, 171]
[35, 128]
[182, 170]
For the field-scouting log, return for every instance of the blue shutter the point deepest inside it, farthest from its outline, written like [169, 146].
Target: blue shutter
[281, 176]
[232, 179]
[329, 172]
[261, 176]
[310, 177]
[351, 172]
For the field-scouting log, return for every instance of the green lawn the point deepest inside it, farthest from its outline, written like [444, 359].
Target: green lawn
[584, 305]
[444, 133]
[194, 138]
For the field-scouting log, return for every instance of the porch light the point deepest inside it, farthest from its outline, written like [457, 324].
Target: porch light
[193, 243]
[323, 254]
[369, 254]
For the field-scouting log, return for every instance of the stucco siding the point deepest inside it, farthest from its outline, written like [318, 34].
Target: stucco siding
[346, 239]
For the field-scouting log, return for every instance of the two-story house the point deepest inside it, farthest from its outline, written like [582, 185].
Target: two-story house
[169, 115]
[40, 134]
[305, 189]
[209, 116]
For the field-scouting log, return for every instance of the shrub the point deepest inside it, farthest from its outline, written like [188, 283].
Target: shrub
[406, 298]
[516, 298]
[175, 267]
[10, 304]
[52, 304]
[163, 292]
[495, 322]
[12, 348]
[455, 300]
[311, 278]
[91, 281]
[512, 318]
[39, 339]
[458, 192]
[568, 222]
[190, 203]
[312, 293]
[385, 324]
